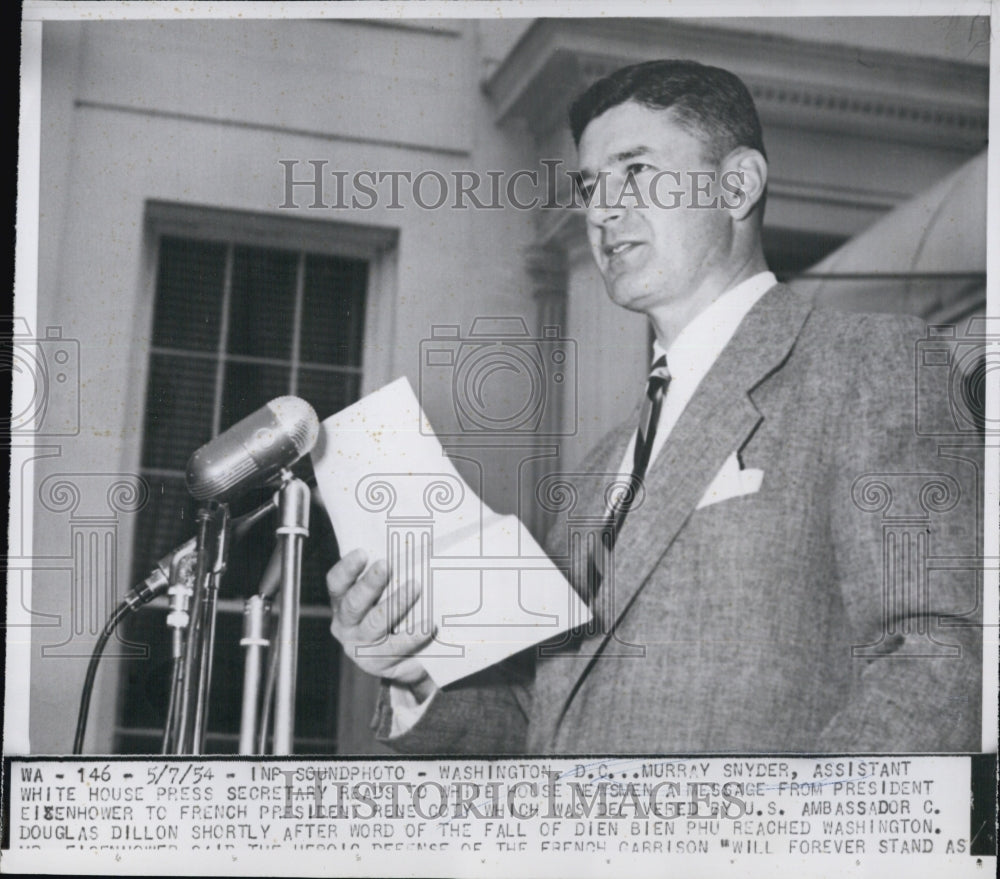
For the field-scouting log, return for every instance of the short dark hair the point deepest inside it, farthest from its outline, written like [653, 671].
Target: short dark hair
[708, 101]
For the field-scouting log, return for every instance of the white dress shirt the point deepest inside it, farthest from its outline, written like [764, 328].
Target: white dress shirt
[694, 351]
[689, 358]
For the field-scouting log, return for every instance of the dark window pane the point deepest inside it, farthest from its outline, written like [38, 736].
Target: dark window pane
[262, 307]
[333, 321]
[190, 277]
[167, 521]
[227, 681]
[147, 681]
[328, 392]
[147, 684]
[248, 386]
[178, 409]
[248, 558]
[316, 689]
[138, 743]
[179, 418]
[321, 554]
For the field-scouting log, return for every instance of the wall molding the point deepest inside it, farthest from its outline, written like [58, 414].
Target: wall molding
[798, 83]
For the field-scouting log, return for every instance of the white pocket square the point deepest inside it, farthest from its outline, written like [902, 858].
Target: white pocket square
[731, 481]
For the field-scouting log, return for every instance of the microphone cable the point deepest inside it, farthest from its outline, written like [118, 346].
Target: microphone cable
[119, 613]
[152, 587]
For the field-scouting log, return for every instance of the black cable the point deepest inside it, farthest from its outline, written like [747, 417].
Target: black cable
[88, 682]
[152, 587]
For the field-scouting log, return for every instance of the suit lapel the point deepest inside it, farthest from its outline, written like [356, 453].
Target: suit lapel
[717, 421]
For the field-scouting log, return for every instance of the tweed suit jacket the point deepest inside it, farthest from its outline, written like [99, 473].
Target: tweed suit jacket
[833, 610]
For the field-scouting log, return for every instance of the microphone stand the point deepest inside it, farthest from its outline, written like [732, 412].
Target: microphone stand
[256, 619]
[189, 715]
[213, 547]
[257, 639]
[292, 500]
[190, 576]
[292, 530]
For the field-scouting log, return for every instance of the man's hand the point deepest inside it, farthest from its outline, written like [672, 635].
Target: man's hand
[360, 620]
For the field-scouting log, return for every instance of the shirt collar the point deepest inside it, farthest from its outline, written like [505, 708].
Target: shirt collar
[697, 346]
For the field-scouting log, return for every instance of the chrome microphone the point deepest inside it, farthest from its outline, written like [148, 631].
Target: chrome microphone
[253, 451]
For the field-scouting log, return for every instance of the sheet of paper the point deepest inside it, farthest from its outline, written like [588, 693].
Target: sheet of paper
[388, 487]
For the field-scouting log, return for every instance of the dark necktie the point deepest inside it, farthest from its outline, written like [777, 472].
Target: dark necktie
[649, 417]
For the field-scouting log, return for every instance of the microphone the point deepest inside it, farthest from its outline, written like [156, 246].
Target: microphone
[253, 451]
[157, 582]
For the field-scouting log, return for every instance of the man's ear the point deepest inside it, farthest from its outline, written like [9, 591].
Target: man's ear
[743, 179]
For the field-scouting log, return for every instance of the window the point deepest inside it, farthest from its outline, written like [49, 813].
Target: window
[236, 324]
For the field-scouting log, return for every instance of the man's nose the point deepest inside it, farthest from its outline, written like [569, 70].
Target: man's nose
[602, 216]
[606, 205]
[612, 198]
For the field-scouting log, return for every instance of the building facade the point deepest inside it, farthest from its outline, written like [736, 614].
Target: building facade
[235, 210]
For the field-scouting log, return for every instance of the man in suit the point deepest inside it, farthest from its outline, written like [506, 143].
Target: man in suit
[769, 587]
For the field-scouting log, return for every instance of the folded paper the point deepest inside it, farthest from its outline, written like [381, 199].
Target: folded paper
[489, 590]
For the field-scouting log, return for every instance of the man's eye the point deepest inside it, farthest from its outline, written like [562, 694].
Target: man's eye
[585, 188]
[636, 168]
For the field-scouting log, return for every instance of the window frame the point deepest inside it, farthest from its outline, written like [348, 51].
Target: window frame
[378, 245]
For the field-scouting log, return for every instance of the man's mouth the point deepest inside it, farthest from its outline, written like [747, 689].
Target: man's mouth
[620, 249]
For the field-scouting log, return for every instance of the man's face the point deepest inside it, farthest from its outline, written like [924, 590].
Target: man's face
[651, 245]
